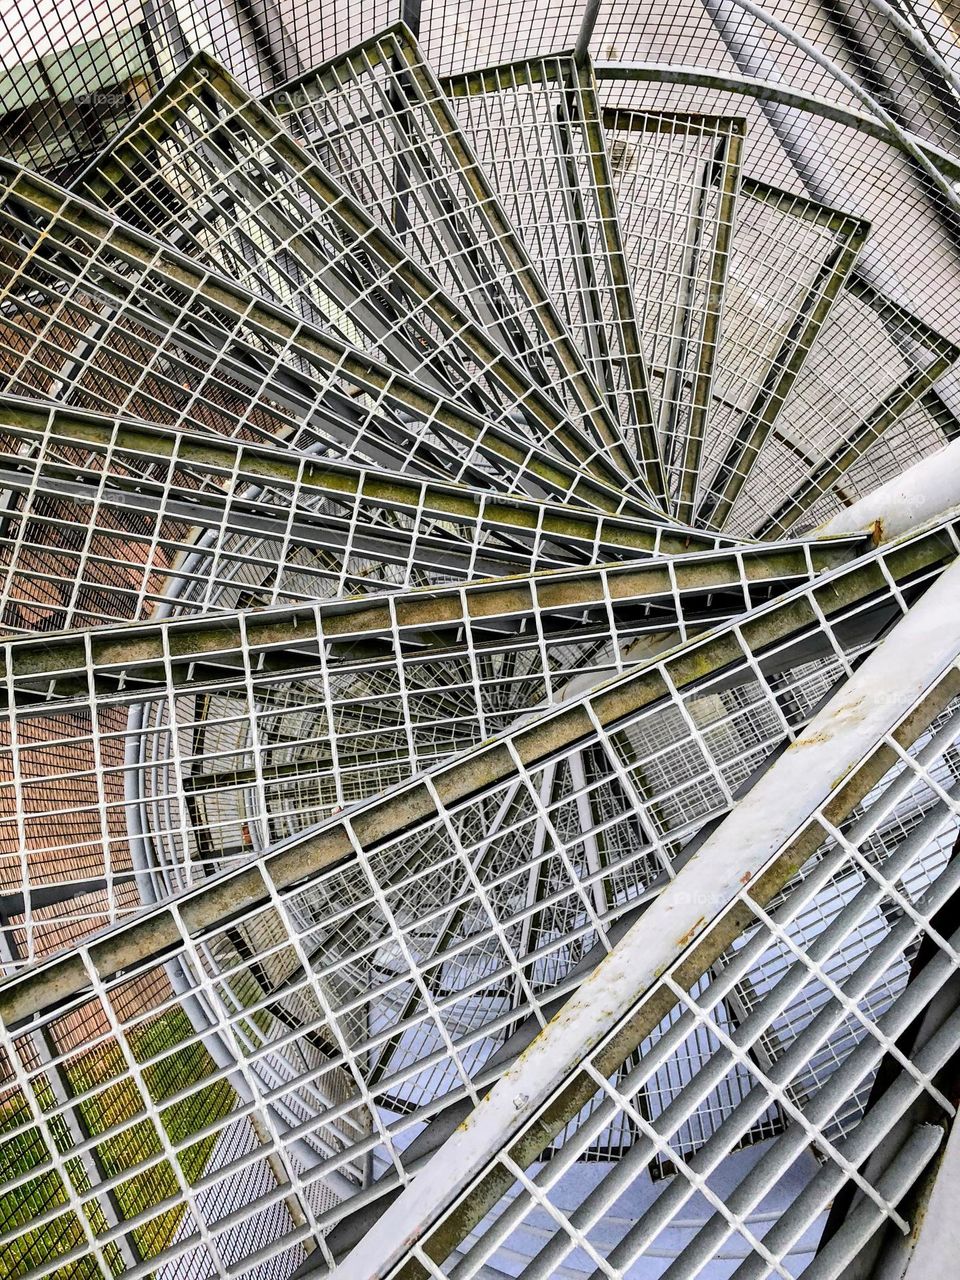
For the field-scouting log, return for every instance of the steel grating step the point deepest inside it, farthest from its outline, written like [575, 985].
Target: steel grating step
[452, 821]
[89, 312]
[535, 129]
[378, 119]
[205, 168]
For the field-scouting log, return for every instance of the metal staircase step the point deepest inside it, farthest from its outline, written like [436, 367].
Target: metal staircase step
[675, 181]
[378, 120]
[535, 128]
[861, 410]
[98, 313]
[205, 168]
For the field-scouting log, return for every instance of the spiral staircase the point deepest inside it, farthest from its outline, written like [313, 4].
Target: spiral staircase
[479, 639]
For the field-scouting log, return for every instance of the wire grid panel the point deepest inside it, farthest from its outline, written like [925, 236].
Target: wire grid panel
[205, 168]
[798, 145]
[414, 680]
[88, 63]
[862, 409]
[789, 260]
[904, 265]
[535, 128]
[98, 314]
[841, 159]
[378, 120]
[863, 44]
[776, 276]
[675, 180]
[268, 722]
[469, 34]
[81, 66]
[353, 984]
[107, 519]
[819, 998]
[917, 433]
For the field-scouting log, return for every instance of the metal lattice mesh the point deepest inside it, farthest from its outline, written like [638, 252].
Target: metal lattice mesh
[258, 373]
[280, 226]
[675, 181]
[536, 131]
[873, 370]
[357, 948]
[270, 752]
[479, 761]
[379, 121]
[835, 971]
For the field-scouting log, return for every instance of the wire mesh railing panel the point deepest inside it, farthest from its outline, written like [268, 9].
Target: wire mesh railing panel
[723, 35]
[861, 398]
[535, 128]
[920, 432]
[482, 33]
[906, 258]
[89, 63]
[775, 276]
[78, 73]
[789, 260]
[838, 159]
[82, 69]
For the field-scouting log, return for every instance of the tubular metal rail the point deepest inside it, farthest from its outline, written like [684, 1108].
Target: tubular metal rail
[479, 640]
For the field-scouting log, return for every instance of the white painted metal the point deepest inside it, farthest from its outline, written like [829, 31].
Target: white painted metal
[934, 1244]
[919, 494]
[385, 663]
